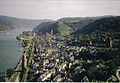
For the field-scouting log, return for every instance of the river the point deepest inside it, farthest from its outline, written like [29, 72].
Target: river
[9, 49]
[9, 54]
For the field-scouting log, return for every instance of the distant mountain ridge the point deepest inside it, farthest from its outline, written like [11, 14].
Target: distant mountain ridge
[63, 26]
[10, 23]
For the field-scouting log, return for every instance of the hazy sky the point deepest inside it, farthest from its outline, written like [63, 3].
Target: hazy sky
[54, 9]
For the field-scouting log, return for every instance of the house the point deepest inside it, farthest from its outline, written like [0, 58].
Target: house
[46, 62]
[58, 78]
[46, 75]
[63, 66]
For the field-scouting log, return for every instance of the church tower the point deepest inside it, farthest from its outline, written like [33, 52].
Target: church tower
[51, 32]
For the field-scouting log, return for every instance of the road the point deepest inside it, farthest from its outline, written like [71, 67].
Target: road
[30, 58]
[15, 76]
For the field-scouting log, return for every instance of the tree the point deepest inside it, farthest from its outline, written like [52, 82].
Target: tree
[10, 72]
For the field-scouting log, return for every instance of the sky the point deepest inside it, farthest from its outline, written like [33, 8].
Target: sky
[55, 9]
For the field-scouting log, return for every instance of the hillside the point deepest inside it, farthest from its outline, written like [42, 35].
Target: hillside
[66, 26]
[45, 27]
[108, 24]
[10, 23]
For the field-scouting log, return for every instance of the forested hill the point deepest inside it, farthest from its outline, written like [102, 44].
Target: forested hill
[45, 27]
[10, 23]
[67, 26]
[79, 25]
[64, 26]
[108, 24]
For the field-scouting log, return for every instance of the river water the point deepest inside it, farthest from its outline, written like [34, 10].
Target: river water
[9, 49]
[9, 54]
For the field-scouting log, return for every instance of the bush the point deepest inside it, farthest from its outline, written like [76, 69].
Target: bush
[10, 72]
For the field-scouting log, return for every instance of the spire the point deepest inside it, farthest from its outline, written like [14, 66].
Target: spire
[51, 31]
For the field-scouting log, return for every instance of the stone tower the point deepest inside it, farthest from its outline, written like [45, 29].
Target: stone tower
[110, 43]
[24, 61]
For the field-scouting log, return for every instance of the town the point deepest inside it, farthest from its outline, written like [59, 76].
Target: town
[48, 59]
